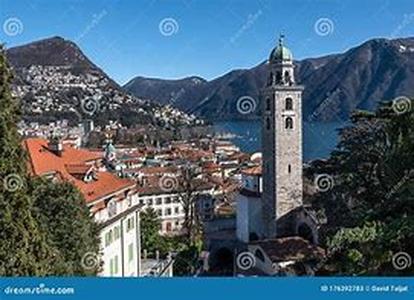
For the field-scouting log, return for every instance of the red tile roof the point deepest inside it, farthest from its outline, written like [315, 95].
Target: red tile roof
[256, 170]
[290, 248]
[78, 169]
[43, 162]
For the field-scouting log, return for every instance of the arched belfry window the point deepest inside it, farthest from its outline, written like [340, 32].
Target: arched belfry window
[289, 104]
[289, 123]
[278, 78]
[268, 104]
[287, 78]
[267, 123]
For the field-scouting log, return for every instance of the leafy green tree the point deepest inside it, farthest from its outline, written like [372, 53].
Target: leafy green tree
[63, 215]
[151, 239]
[186, 261]
[370, 208]
[45, 227]
[24, 249]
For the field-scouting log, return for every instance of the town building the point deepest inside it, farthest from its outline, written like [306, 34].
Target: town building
[113, 201]
[270, 213]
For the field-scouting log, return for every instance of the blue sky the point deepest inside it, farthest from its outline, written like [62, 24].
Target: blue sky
[208, 37]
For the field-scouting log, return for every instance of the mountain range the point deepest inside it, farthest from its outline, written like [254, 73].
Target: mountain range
[335, 85]
[55, 80]
[54, 77]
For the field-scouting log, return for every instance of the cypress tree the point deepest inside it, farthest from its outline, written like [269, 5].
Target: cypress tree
[24, 249]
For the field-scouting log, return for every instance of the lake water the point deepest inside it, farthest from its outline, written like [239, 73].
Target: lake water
[319, 139]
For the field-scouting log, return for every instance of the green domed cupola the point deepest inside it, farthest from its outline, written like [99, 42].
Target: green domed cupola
[281, 53]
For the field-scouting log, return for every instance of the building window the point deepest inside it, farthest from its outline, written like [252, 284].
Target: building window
[289, 123]
[287, 78]
[130, 252]
[177, 210]
[289, 169]
[267, 123]
[111, 208]
[108, 238]
[268, 104]
[278, 78]
[116, 233]
[159, 212]
[167, 200]
[158, 201]
[289, 104]
[149, 201]
[113, 265]
[130, 224]
[176, 200]
[168, 211]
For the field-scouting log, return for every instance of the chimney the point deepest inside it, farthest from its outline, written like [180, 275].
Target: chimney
[55, 145]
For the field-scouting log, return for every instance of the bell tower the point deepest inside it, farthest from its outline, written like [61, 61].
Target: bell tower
[281, 143]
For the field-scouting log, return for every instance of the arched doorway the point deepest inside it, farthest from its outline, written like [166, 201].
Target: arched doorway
[222, 262]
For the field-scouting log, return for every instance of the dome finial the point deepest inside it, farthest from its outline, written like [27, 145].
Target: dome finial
[281, 53]
[281, 37]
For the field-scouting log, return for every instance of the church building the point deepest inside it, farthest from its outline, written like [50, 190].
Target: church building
[270, 212]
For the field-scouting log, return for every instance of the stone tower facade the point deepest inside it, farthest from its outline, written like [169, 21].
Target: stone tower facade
[282, 144]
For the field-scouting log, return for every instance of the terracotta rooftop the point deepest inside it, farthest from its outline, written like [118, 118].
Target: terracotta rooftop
[290, 248]
[42, 162]
[256, 170]
[78, 169]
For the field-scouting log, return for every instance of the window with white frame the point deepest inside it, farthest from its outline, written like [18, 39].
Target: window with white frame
[112, 209]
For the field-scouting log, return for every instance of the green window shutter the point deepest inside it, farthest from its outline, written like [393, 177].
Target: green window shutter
[110, 236]
[111, 267]
[106, 239]
[130, 252]
[116, 232]
[116, 264]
